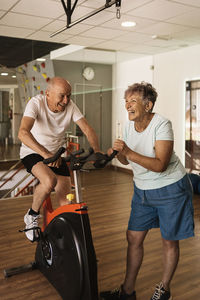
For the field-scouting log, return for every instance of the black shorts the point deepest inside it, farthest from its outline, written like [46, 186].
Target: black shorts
[32, 159]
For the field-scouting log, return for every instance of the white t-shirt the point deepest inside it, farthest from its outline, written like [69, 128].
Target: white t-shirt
[49, 128]
[144, 143]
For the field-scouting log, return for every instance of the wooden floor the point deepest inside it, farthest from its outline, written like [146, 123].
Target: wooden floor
[108, 195]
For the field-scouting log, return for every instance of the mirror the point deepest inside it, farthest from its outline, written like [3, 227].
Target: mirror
[29, 70]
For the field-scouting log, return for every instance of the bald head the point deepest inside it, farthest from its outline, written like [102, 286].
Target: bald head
[58, 81]
[58, 94]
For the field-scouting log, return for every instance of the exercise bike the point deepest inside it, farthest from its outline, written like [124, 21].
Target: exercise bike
[65, 253]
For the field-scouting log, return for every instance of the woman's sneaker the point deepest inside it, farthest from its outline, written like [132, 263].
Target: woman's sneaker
[117, 294]
[160, 293]
[31, 227]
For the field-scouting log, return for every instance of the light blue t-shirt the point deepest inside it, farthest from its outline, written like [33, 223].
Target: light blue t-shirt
[144, 143]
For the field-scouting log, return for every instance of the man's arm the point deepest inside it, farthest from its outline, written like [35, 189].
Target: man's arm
[28, 139]
[90, 134]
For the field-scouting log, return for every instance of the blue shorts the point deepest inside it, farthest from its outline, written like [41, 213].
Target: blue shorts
[169, 208]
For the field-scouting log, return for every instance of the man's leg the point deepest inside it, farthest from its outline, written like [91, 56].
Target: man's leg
[135, 254]
[170, 261]
[62, 188]
[47, 182]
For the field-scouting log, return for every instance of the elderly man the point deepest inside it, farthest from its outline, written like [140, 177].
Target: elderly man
[42, 133]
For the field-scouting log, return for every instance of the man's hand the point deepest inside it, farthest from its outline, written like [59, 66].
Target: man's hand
[55, 164]
[110, 151]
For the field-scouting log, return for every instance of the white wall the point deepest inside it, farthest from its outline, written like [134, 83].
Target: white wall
[124, 74]
[171, 70]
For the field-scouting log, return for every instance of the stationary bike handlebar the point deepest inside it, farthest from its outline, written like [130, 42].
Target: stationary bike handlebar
[56, 156]
[77, 160]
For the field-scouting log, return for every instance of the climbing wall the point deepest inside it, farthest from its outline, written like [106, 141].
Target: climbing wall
[33, 77]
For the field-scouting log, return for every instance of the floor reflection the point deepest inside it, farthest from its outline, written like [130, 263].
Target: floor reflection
[9, 152]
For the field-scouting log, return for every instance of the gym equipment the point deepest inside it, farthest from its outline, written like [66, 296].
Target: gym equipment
[69, 9]
[65, 253]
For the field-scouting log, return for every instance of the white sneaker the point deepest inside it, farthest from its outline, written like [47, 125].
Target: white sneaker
[31, 223]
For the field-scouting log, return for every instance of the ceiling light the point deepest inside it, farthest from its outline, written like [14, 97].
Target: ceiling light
[161, 37]
[13, 76]
[4, 74]
[41, 59]
[128, 24]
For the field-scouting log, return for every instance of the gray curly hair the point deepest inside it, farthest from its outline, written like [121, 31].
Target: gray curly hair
[145, 89]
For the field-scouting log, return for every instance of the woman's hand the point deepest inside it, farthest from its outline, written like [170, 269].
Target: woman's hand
[121, 147]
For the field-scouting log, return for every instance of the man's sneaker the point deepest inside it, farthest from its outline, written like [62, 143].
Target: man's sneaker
[117, 294]
[31, 222]
[160, 293]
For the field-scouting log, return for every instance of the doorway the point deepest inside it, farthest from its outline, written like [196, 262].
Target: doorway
[192, 126]
[5, 124]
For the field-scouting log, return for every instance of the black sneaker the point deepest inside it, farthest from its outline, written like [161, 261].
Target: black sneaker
[117, 294]
[160, 293]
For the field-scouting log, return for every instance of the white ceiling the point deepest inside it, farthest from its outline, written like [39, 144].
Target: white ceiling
[177, 22]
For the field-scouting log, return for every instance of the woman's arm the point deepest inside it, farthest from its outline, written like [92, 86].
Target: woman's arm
[159, 163]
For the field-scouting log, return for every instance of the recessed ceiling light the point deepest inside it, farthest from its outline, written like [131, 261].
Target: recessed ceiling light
[128, 24]
[161, 37]
[13, 76]
[4, 74]
[41, 59]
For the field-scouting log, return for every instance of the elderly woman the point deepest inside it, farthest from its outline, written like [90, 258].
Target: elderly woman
[162, 191]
